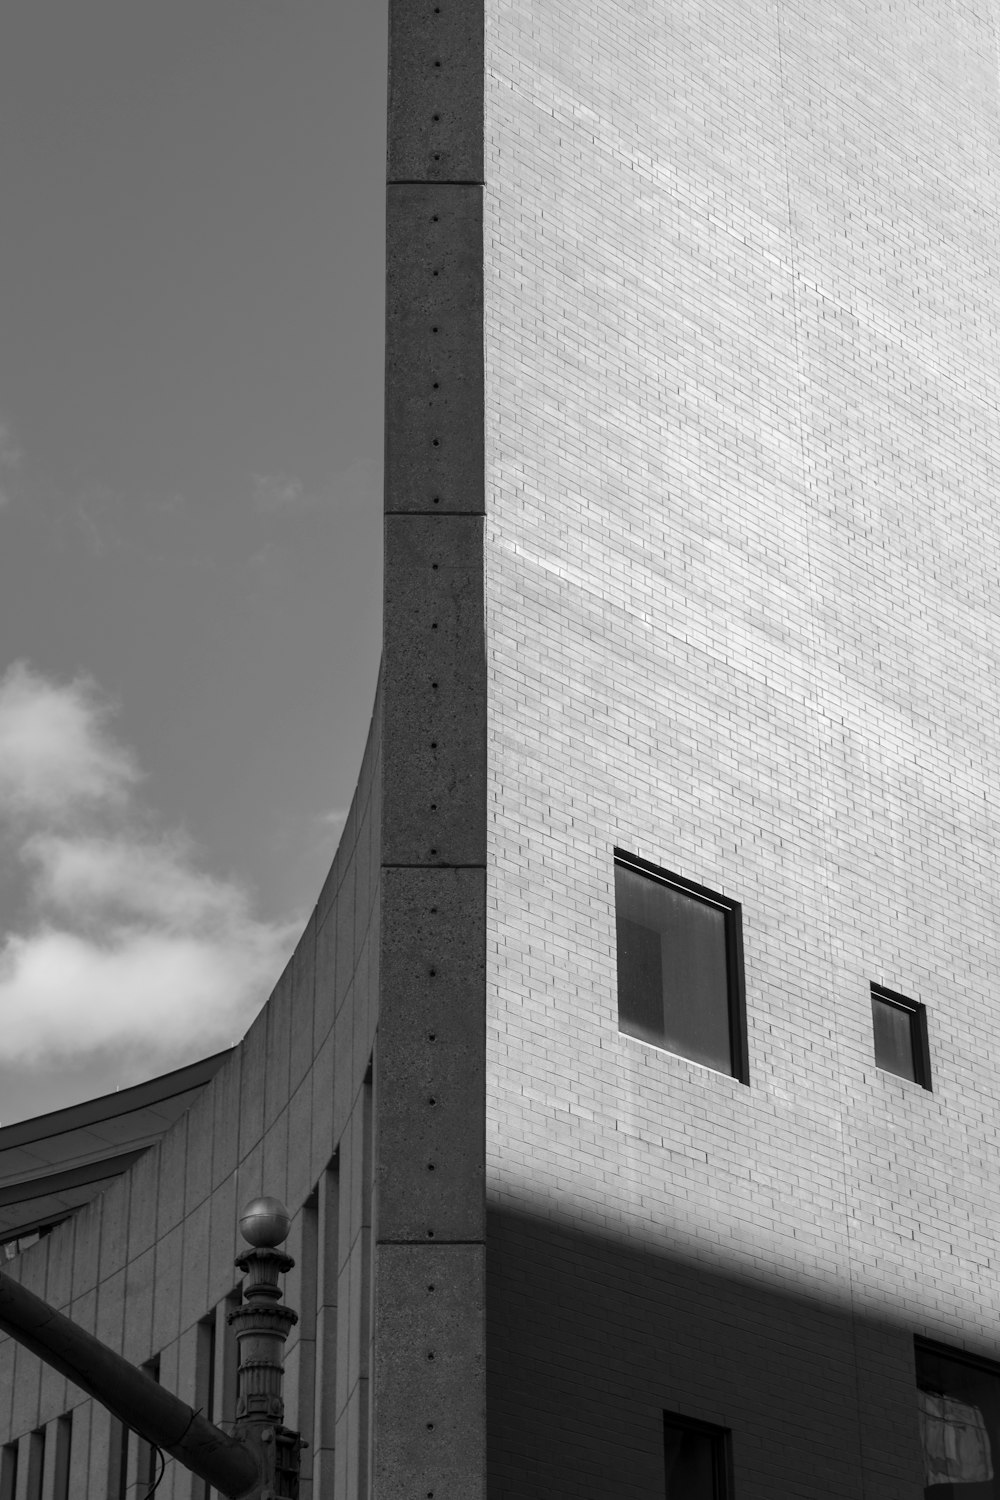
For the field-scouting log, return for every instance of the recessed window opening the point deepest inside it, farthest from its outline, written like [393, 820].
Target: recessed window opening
[696, 1459]
[36, 1464]
[680, 966]
[900, 1031]
[8, 1471]
[958, 1409]
[63, 1457]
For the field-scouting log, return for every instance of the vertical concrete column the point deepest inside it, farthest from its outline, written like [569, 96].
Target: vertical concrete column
[27, 1485]
[300, 1350]
[353, 1430]
[325, 1415]
[103, 1455]
[58, 1457]
[428, 1377]
[79, 1468]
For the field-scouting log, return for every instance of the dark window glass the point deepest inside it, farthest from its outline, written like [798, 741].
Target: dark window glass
[36, 1464]
[900, 1031]
[8, 1471]
[696, 1460]
[64, 1457]
[679, 981]
[958, 1408]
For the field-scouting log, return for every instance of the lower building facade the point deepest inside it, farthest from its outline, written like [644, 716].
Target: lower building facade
[632, 1086]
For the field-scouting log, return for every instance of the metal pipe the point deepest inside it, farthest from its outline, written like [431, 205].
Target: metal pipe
[128, 1393]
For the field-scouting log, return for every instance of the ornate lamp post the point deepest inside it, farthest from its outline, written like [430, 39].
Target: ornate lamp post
[262, 1323]
[260, 1459]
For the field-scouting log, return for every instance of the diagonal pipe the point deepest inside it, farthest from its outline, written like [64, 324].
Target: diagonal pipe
[127, 1392]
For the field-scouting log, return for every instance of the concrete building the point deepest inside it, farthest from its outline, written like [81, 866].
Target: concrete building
[633, 1084]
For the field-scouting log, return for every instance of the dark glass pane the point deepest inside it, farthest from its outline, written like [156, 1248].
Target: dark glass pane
[893, 1038]
[958, 1407]
[678, 998]
[690, 1464]
[640, 980]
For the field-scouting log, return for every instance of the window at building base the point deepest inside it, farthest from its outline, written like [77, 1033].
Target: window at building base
[680, 966]
[697, 1459]
[900, 1031]
[958, 1410]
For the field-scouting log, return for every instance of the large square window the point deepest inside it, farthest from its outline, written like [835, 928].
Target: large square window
[696, 1458]
[958, 1408]
[900, 1028]
[680, 966]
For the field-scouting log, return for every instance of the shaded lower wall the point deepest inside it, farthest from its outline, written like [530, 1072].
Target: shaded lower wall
[148, 1266]
[592, 1338]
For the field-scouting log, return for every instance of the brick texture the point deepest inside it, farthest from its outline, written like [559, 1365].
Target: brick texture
[743, 620]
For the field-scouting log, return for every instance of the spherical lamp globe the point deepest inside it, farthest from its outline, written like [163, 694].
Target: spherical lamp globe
[264, 1223]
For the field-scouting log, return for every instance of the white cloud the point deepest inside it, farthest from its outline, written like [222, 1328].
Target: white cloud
[127, 878]
[62, 994]
[131, 945]
[56, 754]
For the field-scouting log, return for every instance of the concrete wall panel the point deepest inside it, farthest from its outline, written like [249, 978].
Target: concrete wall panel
[304, 1023]
[434, 811]
[435, 91]
[429, 1156]
[429, 1371]
[434, 351]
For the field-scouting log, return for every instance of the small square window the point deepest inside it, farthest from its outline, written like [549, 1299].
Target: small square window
[900, 1027]
[958, 1408]
[696, 1458]
[680, 966]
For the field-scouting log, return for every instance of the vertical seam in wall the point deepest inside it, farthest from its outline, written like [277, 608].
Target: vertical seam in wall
[823, 732]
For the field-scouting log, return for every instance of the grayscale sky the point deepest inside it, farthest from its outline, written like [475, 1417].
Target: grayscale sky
[191, 344]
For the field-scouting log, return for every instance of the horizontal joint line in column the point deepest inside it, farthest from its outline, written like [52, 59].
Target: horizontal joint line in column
[431, 1244]
[445, 865]
[435, 182]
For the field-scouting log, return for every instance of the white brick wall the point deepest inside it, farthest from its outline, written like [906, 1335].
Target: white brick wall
[744, 619]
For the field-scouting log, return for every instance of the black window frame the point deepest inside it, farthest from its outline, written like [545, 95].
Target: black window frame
[918, 1034]
[934, 1347]
[722, 1450]
[735, 983]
